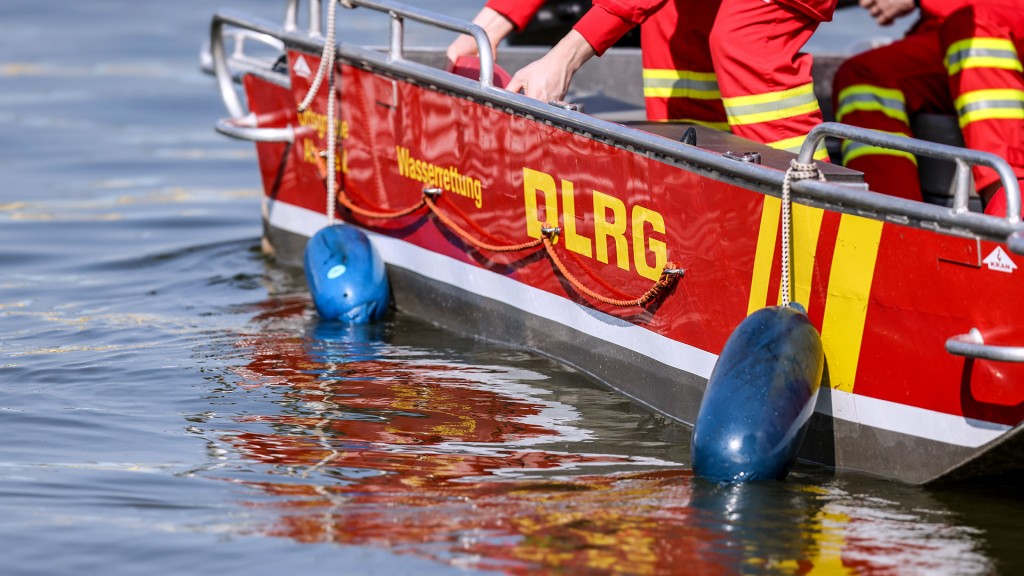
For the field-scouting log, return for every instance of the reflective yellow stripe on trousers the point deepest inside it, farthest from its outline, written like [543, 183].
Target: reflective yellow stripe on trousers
[998, 104]
[772, 106]
[869, 98]
[997, 53]
[667, 83]
[757, 108]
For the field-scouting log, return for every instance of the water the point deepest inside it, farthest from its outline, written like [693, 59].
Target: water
[169, 403]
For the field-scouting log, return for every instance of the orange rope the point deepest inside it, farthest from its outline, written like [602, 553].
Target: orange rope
[347, 203]
[473, 241]
[595, 277]
[379, 215]
[669, 276]
[451, 207]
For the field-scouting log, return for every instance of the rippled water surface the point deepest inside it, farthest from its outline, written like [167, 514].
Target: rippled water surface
[170, 404]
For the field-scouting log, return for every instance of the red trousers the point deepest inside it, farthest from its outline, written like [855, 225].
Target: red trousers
[678, 74]
[968, 65]
[734, 63]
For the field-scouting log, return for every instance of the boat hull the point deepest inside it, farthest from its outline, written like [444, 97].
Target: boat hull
[885, 290]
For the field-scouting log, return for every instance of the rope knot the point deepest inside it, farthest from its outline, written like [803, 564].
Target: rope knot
[801, 171]
[669, 276]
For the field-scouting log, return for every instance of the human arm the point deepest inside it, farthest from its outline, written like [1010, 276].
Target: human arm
[498, 19]
[494, 24]
[548, 78]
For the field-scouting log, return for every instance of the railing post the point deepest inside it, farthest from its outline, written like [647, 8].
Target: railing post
[397, 36]
[315, 27]
[225, 82]
[962, 184]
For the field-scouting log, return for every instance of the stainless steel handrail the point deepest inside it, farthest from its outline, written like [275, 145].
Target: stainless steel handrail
[962, 156]
[291, 17]
[221, 71]
[246, 128]
[399, 11]
[241, 124]
[972, 345]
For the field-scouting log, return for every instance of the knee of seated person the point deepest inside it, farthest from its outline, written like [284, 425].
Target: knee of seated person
[854, 70]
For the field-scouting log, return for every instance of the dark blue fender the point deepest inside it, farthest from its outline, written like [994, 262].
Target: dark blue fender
[346, 275]
[759, 399]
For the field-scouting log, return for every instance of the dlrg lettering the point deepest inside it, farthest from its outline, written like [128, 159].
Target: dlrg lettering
[629, 236]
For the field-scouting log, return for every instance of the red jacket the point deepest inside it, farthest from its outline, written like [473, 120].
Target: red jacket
[519, 12]
[940, 9]
[935, 12]
[609, 20]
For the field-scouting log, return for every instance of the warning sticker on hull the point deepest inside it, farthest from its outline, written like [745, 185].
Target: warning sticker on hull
[301, 68]
[999, 260]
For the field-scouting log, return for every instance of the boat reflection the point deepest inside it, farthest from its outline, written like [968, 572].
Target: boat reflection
[375, 443]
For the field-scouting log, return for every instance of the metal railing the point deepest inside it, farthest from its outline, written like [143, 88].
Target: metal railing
[963, 157]
[243, 125]
[972, 345]
[955, 220]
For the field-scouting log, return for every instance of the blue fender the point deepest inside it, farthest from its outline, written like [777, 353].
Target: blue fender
[759, 398]
[346, 276]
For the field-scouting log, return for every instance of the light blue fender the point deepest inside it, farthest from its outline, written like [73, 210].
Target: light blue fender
[346, 276]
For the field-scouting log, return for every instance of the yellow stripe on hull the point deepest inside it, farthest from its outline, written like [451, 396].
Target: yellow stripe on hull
[849, 281]
[846, 304]
[766, 236]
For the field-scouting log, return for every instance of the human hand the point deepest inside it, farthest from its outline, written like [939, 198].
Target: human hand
[494, 24]
[545, 79]
[885, 12]
[548, 78]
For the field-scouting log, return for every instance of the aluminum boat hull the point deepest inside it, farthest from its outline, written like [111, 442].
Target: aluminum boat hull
[887, 282]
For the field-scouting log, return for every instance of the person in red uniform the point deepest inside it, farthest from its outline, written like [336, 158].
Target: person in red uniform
[753, 45]
[678, 77]
[963, 58]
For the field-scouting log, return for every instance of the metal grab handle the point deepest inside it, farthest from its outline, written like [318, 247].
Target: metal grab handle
[972, 345]
[291, 17]
[241, 125]
[245, 128]
[962, 156]
[399, 11]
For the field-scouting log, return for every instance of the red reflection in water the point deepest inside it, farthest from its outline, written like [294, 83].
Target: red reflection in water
[435, 460]
[588, 523]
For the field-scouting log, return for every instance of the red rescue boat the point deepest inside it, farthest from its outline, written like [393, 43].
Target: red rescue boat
[630, 250]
